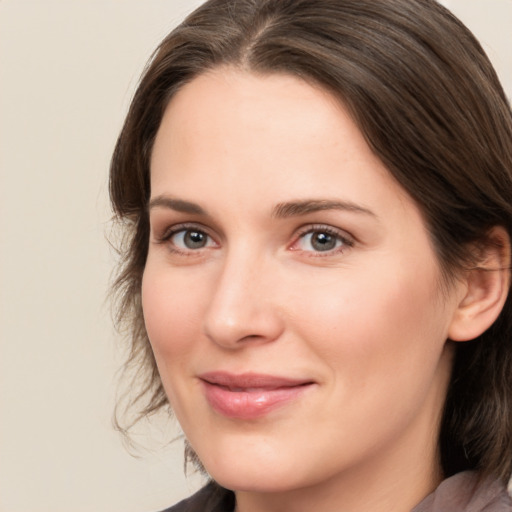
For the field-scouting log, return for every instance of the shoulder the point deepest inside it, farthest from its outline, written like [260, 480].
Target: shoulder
[211, 498]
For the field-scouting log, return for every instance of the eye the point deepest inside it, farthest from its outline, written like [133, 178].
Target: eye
[186, 239]
[321, 240]
[190, 239]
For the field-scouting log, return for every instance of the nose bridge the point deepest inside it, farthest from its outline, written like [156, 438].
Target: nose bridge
[242, 307]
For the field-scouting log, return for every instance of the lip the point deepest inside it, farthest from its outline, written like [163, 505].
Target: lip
[250, 395]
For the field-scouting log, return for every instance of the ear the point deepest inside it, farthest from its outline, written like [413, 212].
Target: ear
[485, 288]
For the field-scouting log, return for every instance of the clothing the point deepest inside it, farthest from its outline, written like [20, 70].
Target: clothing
[211, 498]
[464, 492]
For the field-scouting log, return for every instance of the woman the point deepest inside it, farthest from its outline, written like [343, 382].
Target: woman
[317, 197]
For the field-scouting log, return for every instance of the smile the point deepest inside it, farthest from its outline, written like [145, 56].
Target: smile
[250, 396]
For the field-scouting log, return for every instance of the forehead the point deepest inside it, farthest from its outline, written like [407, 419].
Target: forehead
[276, 136]
[221, 105]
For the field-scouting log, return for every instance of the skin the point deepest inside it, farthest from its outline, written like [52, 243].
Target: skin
[366, 321]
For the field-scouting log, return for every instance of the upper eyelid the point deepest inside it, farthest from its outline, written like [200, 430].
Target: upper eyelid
[160, 221]
[311, 228]
[170, 231]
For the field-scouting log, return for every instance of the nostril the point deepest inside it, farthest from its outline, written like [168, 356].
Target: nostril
[250, 337]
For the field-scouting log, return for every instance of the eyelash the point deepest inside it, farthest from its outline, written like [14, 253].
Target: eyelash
[339, 236]
[168, 234]
[343, 239]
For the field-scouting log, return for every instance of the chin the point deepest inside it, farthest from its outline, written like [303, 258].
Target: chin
[246, 473]
[255, 481]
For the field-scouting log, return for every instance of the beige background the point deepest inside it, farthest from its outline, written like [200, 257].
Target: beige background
[67, 72]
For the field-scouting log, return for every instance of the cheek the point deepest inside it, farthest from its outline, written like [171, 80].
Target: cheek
[381, 341]
[171, 316]
[381, 324]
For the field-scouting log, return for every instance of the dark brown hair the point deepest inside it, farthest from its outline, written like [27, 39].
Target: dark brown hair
[428, 101]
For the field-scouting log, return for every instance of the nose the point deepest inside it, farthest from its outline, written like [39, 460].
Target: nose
[243, 308]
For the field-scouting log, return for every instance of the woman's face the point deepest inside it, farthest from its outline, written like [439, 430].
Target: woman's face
[291, 293]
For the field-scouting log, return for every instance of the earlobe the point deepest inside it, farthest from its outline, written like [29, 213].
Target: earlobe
[486, 288]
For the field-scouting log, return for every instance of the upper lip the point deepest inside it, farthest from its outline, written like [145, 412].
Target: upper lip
[251, 380]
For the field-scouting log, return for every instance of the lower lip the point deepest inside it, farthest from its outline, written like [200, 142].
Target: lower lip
[251, 404]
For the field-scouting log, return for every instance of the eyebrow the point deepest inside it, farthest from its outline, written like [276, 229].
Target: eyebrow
[280, 211]
[178, 205]
[297, 208]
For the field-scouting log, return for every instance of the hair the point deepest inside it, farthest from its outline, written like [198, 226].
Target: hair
[429, 103]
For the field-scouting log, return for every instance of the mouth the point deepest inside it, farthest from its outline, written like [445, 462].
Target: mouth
[249, 395]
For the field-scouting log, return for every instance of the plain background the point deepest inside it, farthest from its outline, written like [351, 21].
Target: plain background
[68, 69]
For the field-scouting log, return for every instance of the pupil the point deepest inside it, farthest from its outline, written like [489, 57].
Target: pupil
[195, 239]
[323, 242]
